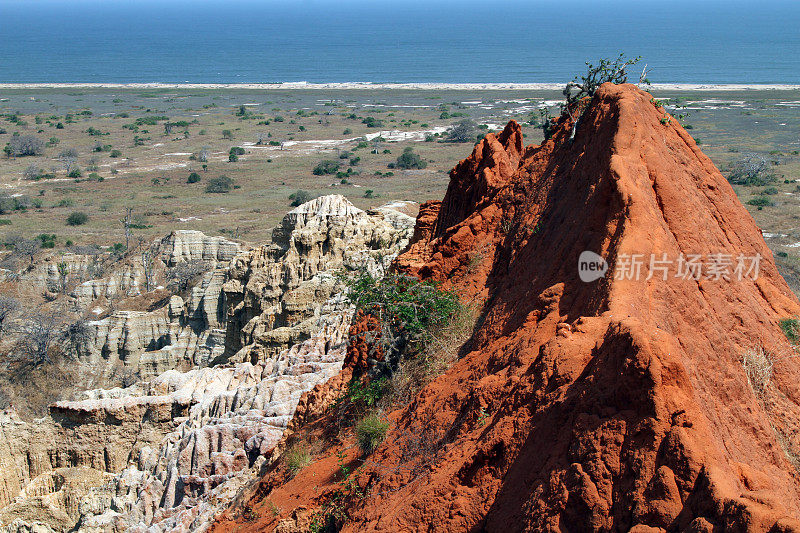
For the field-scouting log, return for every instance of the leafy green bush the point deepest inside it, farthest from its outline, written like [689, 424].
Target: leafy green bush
[194, 177]
[409, 309]
[222, 184]
[232, 158]
[115, 153]
[372, 122]
[77, 218]
[370, 432]
[409, 160]
[238, 150]
[300, 197]
[48, 240]
[791, 328]
[761, 201]
[327, 166]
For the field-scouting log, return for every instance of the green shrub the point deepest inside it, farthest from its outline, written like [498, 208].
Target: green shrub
[761, 201]
[233, 158]
[770, 191]
[65, 202]
[372, 122]
[238, 150]
[300, 197]
[48, 240]
[791, 328]
[409, 160]
[5, 222]
[221, 184]
[327, 166]
[150, 121]
[194, 177]
[77, 218]
[370, 432]
[408, 308]
[115, 153]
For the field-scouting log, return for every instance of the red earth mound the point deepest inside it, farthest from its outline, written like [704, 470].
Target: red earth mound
[614, 404]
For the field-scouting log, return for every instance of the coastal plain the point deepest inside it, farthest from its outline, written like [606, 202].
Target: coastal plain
[285, 133]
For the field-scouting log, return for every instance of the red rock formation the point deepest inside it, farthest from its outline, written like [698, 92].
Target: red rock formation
[618, 404]
[363, 343]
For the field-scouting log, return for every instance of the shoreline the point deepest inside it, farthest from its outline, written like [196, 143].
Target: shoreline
[390, 86]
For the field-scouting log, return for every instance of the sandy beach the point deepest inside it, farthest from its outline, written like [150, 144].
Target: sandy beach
[387, 86]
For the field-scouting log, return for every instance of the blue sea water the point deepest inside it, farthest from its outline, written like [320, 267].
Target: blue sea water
[258, 41]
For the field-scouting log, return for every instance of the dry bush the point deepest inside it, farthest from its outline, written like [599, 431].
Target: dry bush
[296, 457]
[438, 355]
[758, 364]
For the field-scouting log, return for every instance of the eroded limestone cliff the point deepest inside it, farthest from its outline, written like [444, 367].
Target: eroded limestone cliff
[171, 450]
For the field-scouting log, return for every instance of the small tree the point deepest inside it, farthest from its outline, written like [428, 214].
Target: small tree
[227, 134]
[181, 275]
[24, 145]
[194, 177]
[408, 159]
[63, 274]
[147, 269]
[300, 197]
[752, 169]
[27, 248]
[463, 132]
[33, 172]
[222, 184]
[77, 218]
[127, 221]
[68, 159]
[327, 166]
[39, 331]
[607, 70]
[8, 306]
[76, 335]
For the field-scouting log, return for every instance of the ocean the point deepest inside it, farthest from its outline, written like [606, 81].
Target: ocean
[383, 41]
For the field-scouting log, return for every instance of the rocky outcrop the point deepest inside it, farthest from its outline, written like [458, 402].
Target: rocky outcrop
[167, 453]
[238, 414]
[276, 291]
[613, 402]
[180, 333]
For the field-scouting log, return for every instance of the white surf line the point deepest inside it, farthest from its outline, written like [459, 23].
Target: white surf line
[303, 85]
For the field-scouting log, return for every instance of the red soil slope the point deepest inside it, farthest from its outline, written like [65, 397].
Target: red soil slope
[617, 404]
